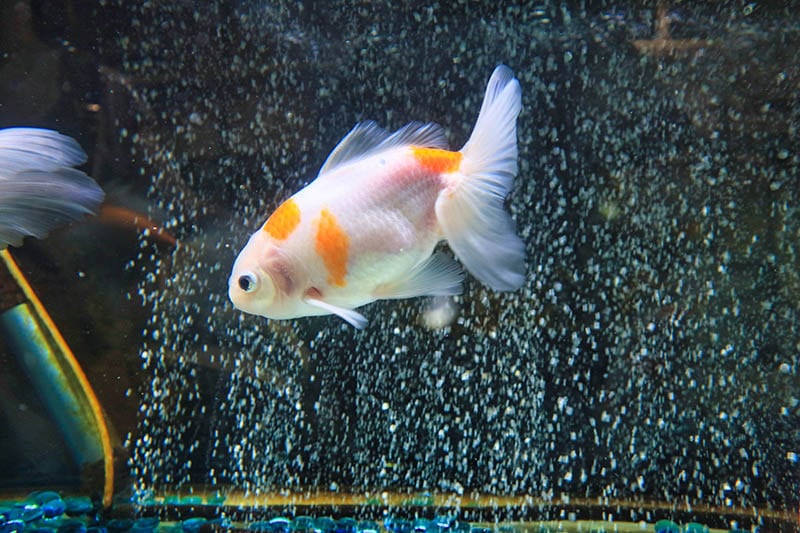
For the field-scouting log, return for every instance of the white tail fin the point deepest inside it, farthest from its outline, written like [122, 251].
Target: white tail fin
[39, 189]
[470, 210]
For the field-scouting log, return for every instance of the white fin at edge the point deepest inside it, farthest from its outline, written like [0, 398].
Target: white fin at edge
[438, 275]
[367, 138]
[354, 318]
[472, 215]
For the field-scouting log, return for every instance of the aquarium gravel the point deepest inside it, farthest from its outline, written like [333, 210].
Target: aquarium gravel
[48, 512]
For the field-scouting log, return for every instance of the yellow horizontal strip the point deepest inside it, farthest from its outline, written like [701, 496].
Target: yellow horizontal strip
[69, 357]
[311, 498]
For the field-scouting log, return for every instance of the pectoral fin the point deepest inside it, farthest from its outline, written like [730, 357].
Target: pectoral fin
[350, 316]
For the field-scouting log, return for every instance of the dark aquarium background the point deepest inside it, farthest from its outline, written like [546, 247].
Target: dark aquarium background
[653, 354]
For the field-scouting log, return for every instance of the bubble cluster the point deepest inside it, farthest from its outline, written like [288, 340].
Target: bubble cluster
[653, 352]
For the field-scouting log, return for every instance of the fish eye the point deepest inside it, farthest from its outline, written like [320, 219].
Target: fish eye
[248, 282]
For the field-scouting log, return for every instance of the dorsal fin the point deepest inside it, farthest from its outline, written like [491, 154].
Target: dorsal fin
[368, 138]
[362, 139]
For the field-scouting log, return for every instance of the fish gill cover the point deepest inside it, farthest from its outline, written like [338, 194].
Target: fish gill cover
[653, 351]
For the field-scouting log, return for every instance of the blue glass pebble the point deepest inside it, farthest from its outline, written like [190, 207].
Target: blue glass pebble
[145, 525]
[119, 525]
[481, 530]
[667, 526]
[302, 523]
[280, 524]
[39, 529]
[13, 526]
[97, 529]
[72, 525]
[324, 524]
[50, 502]
[54, 508]
[13, 513]
[192, 525]
[32, 513]
[346, 525]
[78, 505]
[368, 527]
[42, 496]
[421, 525]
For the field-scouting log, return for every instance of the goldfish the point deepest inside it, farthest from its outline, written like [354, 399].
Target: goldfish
[39, 188]
[367, 227]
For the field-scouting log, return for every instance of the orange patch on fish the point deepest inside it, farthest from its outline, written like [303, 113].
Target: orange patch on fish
[437, 160]
[333, 246]
[283, 221]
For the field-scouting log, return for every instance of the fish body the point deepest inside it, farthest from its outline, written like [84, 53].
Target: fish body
[366, 228]
[39, 188]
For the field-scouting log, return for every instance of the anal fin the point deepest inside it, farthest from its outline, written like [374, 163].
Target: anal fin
[439, 275]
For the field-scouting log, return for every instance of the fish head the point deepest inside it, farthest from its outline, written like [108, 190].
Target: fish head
[251, 286]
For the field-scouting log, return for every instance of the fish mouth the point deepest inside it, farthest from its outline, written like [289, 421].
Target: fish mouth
[233, 294]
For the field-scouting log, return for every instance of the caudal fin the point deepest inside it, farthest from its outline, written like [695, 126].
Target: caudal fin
[39, 189]
[470, 210]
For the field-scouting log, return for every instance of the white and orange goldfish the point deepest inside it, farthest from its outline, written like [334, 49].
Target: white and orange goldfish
[365, 229]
